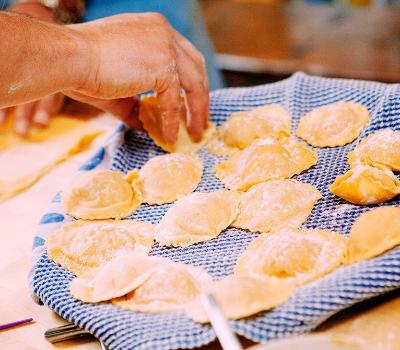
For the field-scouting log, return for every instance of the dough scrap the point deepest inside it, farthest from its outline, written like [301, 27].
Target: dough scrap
[265, 160]
[373, 233]
[333, 125]
[81, 246]
[296, 256]
[241, 296]
[169, 287]
[100, 194]
[197, 217]
[366, 185]
[381, 148]
[150, 116]
[166, 178]
[276, 204]
[243, 128]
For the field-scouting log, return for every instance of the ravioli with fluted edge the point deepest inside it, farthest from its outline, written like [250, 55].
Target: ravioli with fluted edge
[365, 185]
[381, 148]
[294, 255]
[276, 204]
[332, 125]
[81, 246]
[100, 194]
[373, 233]
[243, 128]
[197, 217]
[165, 178]
[241, 296]
[264, 160]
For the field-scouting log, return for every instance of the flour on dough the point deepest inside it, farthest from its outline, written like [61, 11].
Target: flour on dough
[81, 246]
[197, 217]
[100, 194]
[381, 148]
[265, 160]
[333, 125]
[243, 128]
[296, 256]
[276, 204]
[373, 233]
[366, 185]
[166, 178]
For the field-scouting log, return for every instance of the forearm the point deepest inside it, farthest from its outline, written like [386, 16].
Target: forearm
[38, 59]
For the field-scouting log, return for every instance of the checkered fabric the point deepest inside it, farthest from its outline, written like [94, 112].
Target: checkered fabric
[311, 304]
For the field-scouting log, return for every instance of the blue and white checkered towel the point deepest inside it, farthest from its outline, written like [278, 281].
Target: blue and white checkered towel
[311, 304]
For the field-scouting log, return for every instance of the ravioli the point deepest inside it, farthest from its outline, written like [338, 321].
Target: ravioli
[274, 205]
[243, 128]
[373, 233]
[381, 148]
[296, 256]
[241, 297]
[197, 217]
[265, 160]
[100, 194]
[333, 125]
[81, 246]
[164, 179]
[365, 185]
[150, 116]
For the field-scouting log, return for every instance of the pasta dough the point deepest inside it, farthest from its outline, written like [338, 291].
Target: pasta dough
[381, 148]
[197, 217]
[166, 178]
[373, 233]
[243, 128]
[273, 205]
[100, 194]
[297, 256]
[333, 125]
[265, 160]
[366, 185]
[240, 297]
[150, 116]
[81, 246]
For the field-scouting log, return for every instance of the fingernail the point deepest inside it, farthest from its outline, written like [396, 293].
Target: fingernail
[41, 117]
[21, 126]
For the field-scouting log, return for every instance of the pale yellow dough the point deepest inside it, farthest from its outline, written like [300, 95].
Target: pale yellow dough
[243, 128]
[100, 194]
[197, 217]
[366, 185]
[150, 116]
[265, 160]
[381, 148]
[273, 205]
[373, 233]
[296, 256]
[166, 178]
[241, 297]
[333, 125]
[81, 246]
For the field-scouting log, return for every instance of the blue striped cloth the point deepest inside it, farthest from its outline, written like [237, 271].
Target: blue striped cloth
[311, 304]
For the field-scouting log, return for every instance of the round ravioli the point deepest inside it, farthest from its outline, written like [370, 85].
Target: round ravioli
[169, 287]
[100, 194]
[333, 125]
[374, 233]
[378, 149]
[164, 179]
[296, 256]
[265, 160]
[243, 128]
[366, 185]
[81, 246]
[274, 205]
[241, 296]
[197, 217]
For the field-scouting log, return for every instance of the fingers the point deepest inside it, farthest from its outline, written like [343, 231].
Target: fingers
[23, 118]
[48, 107]
[3, 114]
